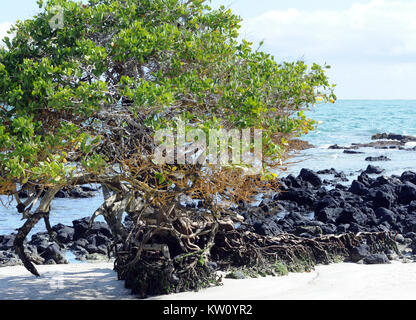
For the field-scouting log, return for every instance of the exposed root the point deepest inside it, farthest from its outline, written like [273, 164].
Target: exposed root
[156, 275]
[149, 272]
[146, 264]
[250, 250]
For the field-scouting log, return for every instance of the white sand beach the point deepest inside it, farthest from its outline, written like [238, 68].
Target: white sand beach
[98, 281]
[343, 281]
[88, 281]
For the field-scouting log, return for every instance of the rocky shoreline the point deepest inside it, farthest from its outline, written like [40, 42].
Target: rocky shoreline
[309, 205]
[306, 207]
[381, 141]
[85, 246]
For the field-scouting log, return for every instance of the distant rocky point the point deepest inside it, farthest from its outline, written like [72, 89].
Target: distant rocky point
[393, 136]
[384, 141]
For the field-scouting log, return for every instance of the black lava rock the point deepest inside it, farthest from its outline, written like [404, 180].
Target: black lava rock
[358, 188]
[380, 158]
[365, 179]
[383, 199]
[328, 215]
[351, 214]
[80, 228]
[54, 253]
[408, 176]
[65, 234]
[385, 215]
[311, 177]
[6, 241]
[377, 258]
[407, 193]
[360, 252]
[374, 170]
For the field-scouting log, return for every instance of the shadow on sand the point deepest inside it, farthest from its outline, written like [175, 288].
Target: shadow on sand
[64, 282]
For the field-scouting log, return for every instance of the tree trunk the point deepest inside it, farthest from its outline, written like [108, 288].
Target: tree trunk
[41, 212]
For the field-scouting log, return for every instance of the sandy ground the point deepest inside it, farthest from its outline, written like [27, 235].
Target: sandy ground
[99, 281]
[95, 281]
[342, 281]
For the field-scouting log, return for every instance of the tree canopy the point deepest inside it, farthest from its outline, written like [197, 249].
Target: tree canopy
[81, 103]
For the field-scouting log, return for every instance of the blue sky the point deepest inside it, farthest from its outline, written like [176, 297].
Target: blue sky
[370, 44]
[252, 8]
[17, 10]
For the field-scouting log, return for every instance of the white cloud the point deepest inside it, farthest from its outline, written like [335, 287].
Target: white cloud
[374, 80]
[377, 37]
[377, 29]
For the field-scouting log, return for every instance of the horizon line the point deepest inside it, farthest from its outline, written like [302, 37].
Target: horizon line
[377, 99]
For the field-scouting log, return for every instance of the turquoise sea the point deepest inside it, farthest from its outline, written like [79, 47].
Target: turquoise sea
[342, 123]
[355, 121]
[348, 121]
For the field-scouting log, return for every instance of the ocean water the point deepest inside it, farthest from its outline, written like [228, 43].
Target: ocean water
[350, 121]
[355, 121]
[62, 211]
[342, 123]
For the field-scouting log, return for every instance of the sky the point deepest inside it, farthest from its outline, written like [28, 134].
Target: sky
[370, 44]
